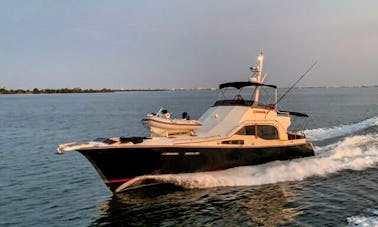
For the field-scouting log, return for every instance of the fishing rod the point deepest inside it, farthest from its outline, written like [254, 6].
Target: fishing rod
[296, 82]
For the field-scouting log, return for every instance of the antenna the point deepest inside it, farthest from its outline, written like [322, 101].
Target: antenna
[257, 76]
[304, 74]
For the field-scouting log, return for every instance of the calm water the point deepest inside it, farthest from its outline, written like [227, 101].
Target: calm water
[339, 186]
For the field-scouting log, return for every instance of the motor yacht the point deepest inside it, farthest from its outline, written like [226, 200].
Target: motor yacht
[232, 132]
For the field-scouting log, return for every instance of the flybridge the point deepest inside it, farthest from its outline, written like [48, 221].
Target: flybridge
[257, 81]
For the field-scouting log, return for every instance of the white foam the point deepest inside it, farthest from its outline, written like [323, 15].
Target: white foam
[355, 153]
[326, 133]
[364, 221]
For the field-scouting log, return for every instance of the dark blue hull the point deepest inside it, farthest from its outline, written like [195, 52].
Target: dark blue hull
[119, 165]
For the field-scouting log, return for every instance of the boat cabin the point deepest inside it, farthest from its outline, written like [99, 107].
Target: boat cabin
[246, 121]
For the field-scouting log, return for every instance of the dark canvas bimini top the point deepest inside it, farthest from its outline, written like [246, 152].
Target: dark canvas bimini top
[241, 84]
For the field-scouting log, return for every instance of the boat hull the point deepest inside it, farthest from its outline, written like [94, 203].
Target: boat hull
[119, 165]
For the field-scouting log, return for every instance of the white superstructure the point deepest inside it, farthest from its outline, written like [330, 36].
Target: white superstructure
[228, 123]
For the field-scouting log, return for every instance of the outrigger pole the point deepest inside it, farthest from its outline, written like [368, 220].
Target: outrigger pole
[296, 82]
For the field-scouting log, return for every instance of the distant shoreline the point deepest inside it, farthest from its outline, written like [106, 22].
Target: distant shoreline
[4, 91]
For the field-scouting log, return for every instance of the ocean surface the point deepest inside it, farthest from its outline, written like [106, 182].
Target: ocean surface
[336, 187]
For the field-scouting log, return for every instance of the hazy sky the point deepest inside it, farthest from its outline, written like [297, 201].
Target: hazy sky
[141, 44]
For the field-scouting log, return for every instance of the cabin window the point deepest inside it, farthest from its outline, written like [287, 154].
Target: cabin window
[238, 142]
[267, 132]
[247, 130]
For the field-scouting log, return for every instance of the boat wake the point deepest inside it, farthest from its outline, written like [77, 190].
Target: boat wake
[354, 152]
[342, 130]
[361, 220]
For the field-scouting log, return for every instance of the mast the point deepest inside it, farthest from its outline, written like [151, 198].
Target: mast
[256, 78]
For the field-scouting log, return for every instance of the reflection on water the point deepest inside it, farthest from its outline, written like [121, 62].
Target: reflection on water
[263, 205]
[270, 206]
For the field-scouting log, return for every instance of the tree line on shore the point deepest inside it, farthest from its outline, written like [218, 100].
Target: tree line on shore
[3, 90]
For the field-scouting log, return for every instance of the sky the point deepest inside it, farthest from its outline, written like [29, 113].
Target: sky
[186, 44]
